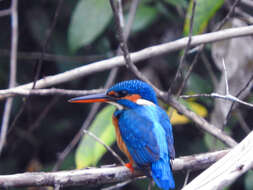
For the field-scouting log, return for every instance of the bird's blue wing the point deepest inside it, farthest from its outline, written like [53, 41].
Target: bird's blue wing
[165, 122]
[136, 130]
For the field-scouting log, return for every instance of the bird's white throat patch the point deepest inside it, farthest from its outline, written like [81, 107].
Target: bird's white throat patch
[144, 102]
[118, 106]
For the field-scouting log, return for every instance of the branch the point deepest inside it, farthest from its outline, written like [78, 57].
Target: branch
[13, 70]
[217, 95]
[5, 12]
[224, 172]
[103, 175]
[137, 56]
[108, 148]
[248, 3]
[201, 122]
[49, 92]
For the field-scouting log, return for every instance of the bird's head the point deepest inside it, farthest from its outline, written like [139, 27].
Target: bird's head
[126, 94]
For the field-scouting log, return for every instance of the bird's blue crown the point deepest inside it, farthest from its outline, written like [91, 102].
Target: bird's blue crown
[135, 87]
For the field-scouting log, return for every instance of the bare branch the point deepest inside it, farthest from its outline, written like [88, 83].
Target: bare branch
[248, 2]
[216, 95]
[13, 70]
[101, 176]
[49, 92]
[225, 77]
[138, 56]
[224, 172]
[201, 122]
[238, 94]
[5, 12]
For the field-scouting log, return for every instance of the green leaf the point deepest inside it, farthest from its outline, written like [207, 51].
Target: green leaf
[248, 181]
[89, 151]
[88, 21]
[205, 10]
[181, 3]
[145, 15]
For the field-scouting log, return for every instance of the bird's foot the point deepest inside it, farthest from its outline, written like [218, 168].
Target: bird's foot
[130, 167]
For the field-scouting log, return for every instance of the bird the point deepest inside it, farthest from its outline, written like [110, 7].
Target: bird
[143, 129]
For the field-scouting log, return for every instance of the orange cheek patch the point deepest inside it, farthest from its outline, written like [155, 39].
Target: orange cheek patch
[133, 97]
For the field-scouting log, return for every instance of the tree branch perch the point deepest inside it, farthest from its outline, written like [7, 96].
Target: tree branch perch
[103, 175]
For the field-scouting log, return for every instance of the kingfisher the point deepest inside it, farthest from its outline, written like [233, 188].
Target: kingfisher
[143, 129]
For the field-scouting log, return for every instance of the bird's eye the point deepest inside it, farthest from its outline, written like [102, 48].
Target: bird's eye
[122, 93]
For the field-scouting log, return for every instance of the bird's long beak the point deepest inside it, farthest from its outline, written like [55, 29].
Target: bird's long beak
[91, 98]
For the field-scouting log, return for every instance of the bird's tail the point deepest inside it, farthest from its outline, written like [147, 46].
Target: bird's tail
[162, 174]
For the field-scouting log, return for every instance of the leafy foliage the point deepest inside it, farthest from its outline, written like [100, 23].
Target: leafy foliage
[88, 21]
[90, 151]
[145, 15]
[85, 32]
[249, 180]
[205, 10]
[182, 3]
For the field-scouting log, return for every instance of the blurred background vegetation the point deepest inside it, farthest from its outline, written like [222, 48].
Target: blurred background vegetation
[85, 33]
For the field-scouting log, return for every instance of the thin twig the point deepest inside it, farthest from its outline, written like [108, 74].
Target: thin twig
[182, 59]
[228, 16]
[201, 122]
[76, 138]
[225, 77]
[48, 36]
[242, 122]
[237, 95]
[38, 68]
[194, 62]
[13, 70]
[106, 147]
[216, 95]
[188, 172]
[5, 12]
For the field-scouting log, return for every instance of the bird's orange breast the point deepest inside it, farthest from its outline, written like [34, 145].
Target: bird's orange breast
[122, 146]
